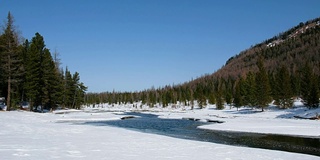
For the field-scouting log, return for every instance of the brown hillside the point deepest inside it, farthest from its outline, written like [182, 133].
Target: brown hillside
[292, 49]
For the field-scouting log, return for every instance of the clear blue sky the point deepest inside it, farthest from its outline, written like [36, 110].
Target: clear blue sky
[131, 45]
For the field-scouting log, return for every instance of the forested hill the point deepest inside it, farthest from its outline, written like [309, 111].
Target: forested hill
[293, 48]
[280, 68]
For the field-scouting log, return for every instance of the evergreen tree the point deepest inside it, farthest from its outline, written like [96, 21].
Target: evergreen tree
[295, 84]
[238, 102]
[164, 99]
[219, 94]
[273, 79]
[313, 100]
[79, 89]
[202, 101]
[53, 81]
[69, 90]
[33, 83]
[29, 73]
[212, 99]
[21, 86]
[283, 88]
[263, 86]
[11, 66]
[309, 87]
[250, 94]
[191, 98]
[41, 75]
[229, 90]
[219, 100]
[239, 93]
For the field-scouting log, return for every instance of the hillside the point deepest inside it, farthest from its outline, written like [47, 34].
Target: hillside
[292, 49]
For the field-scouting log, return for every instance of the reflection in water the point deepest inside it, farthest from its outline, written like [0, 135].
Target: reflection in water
[187, 129]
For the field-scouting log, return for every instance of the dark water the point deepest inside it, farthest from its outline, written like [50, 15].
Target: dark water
[187, 129]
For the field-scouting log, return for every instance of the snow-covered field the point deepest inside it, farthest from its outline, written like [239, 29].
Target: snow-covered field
[61, 135]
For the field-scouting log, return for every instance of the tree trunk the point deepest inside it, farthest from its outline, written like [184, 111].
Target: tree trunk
[9, 85]
[9, 95]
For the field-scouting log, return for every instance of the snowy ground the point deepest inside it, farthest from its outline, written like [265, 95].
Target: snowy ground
[26, 135]
[273, 121]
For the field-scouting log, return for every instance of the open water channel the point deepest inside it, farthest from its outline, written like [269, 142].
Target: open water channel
[187, 129]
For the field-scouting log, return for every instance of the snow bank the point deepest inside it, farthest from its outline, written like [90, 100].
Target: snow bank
[26, 135]
[272, 121]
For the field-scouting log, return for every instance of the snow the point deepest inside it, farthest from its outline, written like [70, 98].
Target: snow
[261, 123]
[62, 134]
[273, 121]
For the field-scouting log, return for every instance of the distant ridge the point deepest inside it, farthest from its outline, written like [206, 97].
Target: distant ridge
[292, 48]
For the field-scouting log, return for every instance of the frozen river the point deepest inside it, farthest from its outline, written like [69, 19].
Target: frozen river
[187, 129]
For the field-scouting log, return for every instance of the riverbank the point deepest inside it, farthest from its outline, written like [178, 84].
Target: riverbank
[294, 121]
[272, 121]
[26, 135]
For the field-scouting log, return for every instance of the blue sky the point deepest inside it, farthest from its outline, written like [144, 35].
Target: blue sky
[132, 45]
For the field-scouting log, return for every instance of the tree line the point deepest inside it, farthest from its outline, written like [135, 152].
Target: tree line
[29, 72]
[255, 77]
[255, 89]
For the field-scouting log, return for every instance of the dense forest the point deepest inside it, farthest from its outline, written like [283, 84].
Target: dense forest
[30, 73]
[279, 69]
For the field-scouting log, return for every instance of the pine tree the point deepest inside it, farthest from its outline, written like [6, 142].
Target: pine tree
[29, 73]
[283, 88]
[219, 94]
[313, 100]
[229, 90]
[69, 90]
[309, 87]
[41, 75]
[21, 86]
[79, 89]
[191, 98]
[219, 100]
[228, 98]
[239, 93]
[202, 101]
[263, 86]
[53, 81]
[11, 65]
[74, 91]
[273, 79]
[211, 99]
[295, 84]
[250, 94]
[33, 76]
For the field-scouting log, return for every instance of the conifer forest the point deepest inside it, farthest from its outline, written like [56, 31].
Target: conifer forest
[32, 73]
